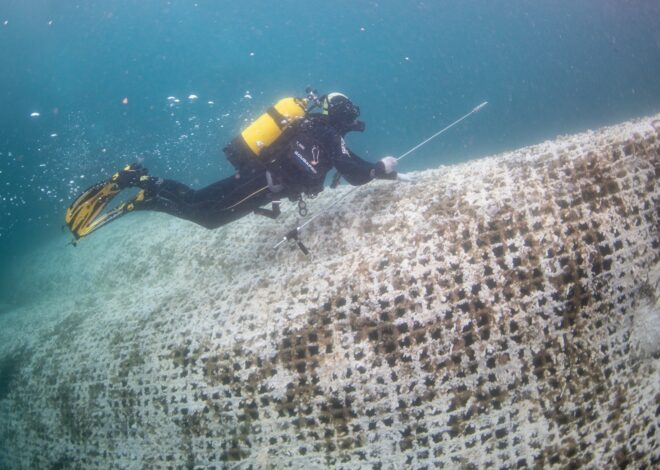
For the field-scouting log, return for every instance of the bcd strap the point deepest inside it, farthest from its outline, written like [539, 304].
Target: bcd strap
[273, 213]
[336, 179]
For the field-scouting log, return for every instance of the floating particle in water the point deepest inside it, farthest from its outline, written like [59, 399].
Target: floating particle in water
[247, 95]
[50, 23]
[406, 58]
[211, 103]
[53, 135]
[362, 29]
[251, 54]
[125, 100]
[192, 97]
[35, 115]
[6, 23]
[171, 99]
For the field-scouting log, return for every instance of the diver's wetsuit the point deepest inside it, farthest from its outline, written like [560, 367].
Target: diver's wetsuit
[212, 206]
[296, 164]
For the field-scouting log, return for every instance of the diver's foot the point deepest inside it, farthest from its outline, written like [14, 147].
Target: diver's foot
[150, 185]
[129, 176]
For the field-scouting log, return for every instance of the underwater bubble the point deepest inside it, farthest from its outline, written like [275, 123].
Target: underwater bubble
[210, 103]
[35, 115]
[192, 97]
[53, 135]
[251, 54]
[247, 95]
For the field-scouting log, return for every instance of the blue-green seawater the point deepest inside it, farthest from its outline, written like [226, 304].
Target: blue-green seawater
[99, 74]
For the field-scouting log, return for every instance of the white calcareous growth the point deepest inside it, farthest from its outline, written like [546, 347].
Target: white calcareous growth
[500, 313]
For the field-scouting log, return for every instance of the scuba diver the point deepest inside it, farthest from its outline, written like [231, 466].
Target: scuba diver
[286, 152]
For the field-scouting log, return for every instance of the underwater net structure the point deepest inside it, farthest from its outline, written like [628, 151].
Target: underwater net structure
[502, 312]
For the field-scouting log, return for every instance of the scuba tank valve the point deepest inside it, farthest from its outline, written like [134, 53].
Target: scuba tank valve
[313, 98]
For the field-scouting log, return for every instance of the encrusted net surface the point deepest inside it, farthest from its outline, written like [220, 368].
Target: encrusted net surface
[499, 313]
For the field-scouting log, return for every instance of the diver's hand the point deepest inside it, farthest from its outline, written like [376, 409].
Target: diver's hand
[389, 164]
[386, 168]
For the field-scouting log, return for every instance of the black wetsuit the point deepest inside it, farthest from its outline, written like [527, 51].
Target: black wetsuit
[296, 164]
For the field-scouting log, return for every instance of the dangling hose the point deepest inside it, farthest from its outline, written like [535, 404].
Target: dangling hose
[293, 234]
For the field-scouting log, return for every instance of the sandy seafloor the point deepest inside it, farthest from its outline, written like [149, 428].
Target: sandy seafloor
[503, 311]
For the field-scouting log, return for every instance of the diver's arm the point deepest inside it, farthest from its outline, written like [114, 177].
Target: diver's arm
[358, 171]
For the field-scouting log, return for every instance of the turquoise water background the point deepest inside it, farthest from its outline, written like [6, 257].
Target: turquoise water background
[99, 74]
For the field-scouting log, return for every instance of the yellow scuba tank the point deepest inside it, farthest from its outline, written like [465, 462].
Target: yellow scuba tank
[263, 131]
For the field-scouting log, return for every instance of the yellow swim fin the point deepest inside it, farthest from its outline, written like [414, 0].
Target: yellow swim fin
[83, 215]
[88, 206]
[109, 216]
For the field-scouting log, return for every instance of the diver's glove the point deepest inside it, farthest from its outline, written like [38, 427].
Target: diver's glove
[386, 168]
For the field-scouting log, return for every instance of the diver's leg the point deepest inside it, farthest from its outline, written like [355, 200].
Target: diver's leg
[215, 205]
[211, 207]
